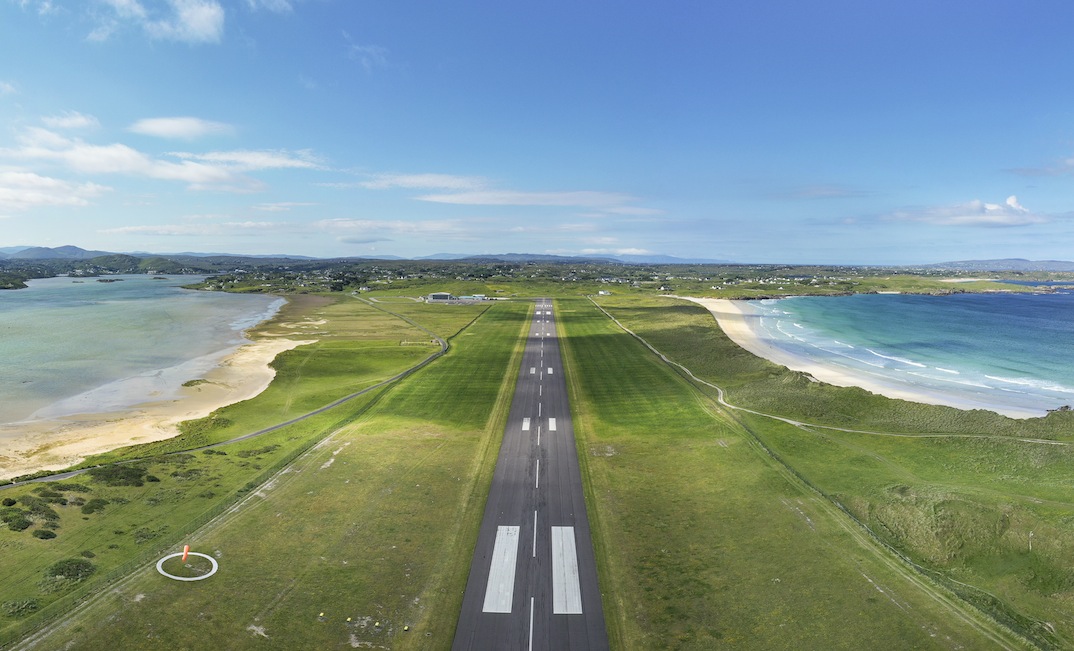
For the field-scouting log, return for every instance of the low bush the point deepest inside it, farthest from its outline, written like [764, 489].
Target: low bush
[122, 475]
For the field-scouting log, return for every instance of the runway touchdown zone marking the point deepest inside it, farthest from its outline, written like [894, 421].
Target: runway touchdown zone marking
[501, 587]
[566, 590]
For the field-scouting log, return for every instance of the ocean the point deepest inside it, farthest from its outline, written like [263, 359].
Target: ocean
[1009, 350]
[70, 346]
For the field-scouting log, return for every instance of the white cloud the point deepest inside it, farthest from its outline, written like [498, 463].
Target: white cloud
[370, 56]
[282, 206]
[41, 144]
[188, 21]
[512, 198]
[278, 6]
[453, 229]
[23, 190]
[7, 88]
[973, 213]
[250, 160]
[195, 229]
[44, 7]
[423, 182]
[71, 120]
[183, 128]
[127, 8]
[193, 21]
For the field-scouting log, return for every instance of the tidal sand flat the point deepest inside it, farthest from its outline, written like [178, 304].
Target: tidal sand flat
[912, 348]
[86, 367]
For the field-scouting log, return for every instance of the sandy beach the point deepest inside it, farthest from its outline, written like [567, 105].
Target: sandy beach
[53, 444]
[734, 318]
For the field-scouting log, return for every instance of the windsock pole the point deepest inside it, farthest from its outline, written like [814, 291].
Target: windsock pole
[186, 552]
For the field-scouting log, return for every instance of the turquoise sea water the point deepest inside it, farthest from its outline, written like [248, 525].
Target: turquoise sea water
[1008, 350]
[70, 346]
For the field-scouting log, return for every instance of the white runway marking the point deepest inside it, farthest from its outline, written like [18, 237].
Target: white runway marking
[531, 623]
[538, 436]
[534, 534]
[501, 586]
[525, 424]
[550, 370]
[537, 475]
[566, 590]
[533, 369]
[551, 424]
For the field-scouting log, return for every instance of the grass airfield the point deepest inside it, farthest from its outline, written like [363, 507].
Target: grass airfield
[713, 528]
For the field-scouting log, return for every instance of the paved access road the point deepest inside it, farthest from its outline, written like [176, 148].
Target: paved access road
[533, 579]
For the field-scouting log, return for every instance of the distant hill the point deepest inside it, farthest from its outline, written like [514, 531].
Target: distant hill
[1006, 264]
[58, 253]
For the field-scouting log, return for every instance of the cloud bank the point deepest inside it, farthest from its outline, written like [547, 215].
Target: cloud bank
[973, 213]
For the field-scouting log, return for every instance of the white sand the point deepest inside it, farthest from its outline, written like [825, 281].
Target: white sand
[58, 443]
[735, 317]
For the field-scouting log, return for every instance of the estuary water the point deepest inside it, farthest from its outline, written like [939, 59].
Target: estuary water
[71, 346]
[1008, 350]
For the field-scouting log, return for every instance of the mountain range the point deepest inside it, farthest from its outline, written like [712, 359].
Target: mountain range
[75, 253]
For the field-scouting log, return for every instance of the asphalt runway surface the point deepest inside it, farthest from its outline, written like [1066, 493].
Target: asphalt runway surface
[533, 579]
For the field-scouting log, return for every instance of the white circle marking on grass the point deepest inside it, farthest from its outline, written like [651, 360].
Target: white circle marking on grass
[160, 567]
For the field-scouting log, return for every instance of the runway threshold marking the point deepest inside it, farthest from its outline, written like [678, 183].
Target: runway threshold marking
[551, 424]
[566, 589]
[501, 585]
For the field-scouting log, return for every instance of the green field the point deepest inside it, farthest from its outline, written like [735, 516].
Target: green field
[956, 493]
[881, 524]
[376, 523]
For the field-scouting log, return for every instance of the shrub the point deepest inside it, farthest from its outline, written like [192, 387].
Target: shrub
[19, 608]
[94, 505]
[152, 478]
[71, 569]
[44, 534]
[18, 524]
[8, 502]
[87, 553]
[71, 487]
[256, 451]
[119, 475]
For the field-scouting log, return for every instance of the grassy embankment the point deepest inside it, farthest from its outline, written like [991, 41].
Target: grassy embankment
[983, 513]
[376, 524]
[117, 527]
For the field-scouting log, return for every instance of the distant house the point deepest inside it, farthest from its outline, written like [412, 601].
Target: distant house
[439, 297]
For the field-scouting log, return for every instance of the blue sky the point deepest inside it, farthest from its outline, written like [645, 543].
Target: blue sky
[800, 132]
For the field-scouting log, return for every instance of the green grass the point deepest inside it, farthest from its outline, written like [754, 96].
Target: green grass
[957, 492]
[359, 346]
[705, 541]
[377, 523]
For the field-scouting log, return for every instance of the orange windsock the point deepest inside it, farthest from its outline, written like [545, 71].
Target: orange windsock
[186, 552]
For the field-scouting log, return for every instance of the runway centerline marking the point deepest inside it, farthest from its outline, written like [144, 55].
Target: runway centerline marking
[531, 623]
[535, 534]
[566, 590]
[501, 585]
[537, 475]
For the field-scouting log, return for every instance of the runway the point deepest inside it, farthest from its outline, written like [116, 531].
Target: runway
[533, 578]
